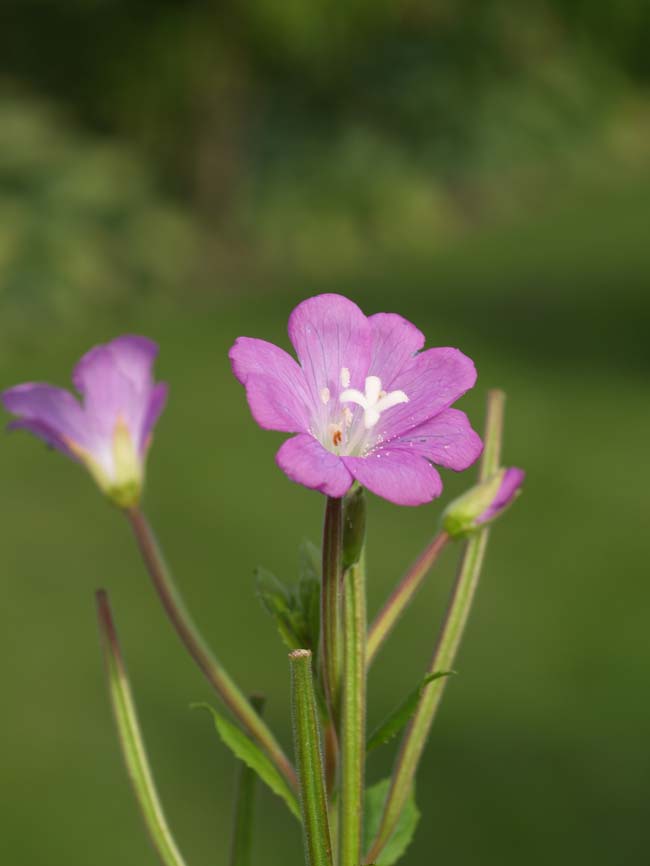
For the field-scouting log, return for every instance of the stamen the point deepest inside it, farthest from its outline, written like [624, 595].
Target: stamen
[336, 434]
[345, 377]
[325, 395]
[347, 416]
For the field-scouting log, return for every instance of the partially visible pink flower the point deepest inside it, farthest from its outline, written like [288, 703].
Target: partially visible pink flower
[109, 431]
[483, 503]
[365, 402]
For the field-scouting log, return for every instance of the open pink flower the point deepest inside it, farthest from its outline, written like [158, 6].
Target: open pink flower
[365, 401]
[110, 430]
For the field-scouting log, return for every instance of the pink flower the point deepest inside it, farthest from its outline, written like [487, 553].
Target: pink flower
[110, 430]
[366, 402]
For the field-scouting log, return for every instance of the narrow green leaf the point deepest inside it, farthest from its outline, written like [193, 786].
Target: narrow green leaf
[375, 797]
[399, 718]
[250, 753]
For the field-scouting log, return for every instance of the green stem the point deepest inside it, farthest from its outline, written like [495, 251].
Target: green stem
[130, 738]
[313, 799]
[242, 837]
[188, 632]
[450, 636]
[330, 643]
[403, 595]
[353, 716]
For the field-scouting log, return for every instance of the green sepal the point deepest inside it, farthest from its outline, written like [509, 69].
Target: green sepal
[374, 800]
[250, 753]
[400, 717]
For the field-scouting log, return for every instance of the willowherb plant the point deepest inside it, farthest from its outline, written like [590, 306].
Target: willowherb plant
[370, 409]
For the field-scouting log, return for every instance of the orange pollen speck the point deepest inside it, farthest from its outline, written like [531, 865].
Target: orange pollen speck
[337, 437]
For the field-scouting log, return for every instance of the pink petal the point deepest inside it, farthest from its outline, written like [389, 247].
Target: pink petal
[306, 462]
[157, 402]
[330, 333]
[131, 355]
[50, 413]
[447, 439]
[281, 402]
[274, 406]
[394, 343]
[115, 380]
[396, 475]
[432, 381]
[513, 479]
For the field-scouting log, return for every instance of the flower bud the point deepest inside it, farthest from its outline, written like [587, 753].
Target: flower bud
[354, 526]
[483, 503]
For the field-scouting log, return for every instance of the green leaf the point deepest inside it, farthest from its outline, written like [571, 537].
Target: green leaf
[399, 718]
[296, 610]
[251, 754]
[278, 601]
[375, 797]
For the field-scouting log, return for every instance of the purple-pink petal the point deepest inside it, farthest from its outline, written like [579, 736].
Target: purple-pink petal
[447, 440]
[50, 413]
[395, 341]
[274, 406]
[432, 381]
[275, 385]
[512, 480]
[157, 402]
[131, 355]
[306, 462]
[116, 382]
[330, 333]
[396, 475]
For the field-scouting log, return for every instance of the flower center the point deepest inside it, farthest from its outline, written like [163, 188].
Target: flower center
[344, 433]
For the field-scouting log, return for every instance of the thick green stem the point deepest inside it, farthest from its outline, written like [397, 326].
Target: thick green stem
[188, 632]
[131, 743]
[241, 847]
[353, 714]
[313, 798]
[443, 658]
[403, 595]
[330, 642]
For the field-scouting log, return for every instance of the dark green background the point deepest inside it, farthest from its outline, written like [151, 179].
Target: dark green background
[190, 171]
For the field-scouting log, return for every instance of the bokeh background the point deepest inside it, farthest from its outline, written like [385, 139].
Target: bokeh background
[190, 170]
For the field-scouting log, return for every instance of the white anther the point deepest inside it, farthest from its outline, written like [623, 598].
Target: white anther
[345, 377]
[325, 395]
[347, 416]
[374, 401]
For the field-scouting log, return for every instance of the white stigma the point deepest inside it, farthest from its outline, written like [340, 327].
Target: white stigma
[325, 395]
[345, 377]
[374, 401]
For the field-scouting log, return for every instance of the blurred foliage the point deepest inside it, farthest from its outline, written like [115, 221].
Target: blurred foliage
[84, 226]
[313, 133]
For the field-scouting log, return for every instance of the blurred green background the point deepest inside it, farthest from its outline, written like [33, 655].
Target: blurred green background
[191, 170]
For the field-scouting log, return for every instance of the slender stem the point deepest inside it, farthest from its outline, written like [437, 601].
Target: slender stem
[353, 716]
[241, 847]
[330, 643]
[403, 595]
[493, 436]
[313, 799]
[450, 636]
[188, 632]
[131, 743]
